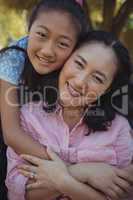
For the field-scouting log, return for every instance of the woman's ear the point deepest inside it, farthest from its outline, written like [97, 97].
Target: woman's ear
[108, 90]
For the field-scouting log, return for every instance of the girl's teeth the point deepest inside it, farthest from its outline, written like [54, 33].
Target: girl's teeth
[41, 59]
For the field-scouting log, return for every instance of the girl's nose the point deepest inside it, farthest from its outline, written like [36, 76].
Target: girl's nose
[47, 49]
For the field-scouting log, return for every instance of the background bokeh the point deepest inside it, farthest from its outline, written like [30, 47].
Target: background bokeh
[111, 15]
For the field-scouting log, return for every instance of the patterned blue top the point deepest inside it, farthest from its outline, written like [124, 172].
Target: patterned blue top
[12, 62]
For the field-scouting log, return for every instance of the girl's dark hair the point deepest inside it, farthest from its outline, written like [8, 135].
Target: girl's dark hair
[38, 82]
[70, 6]
[30, 77]
[99, 117]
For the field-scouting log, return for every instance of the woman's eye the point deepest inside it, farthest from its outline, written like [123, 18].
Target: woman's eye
[79, 64]
[98, 79]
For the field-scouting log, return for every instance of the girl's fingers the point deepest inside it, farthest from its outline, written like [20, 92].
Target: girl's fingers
[32, 159]
[123, 184]
[33, 185]
[111, 194]
[28, 168]
[28, 174]
[118, 192]
[125, 175]
[53, 155]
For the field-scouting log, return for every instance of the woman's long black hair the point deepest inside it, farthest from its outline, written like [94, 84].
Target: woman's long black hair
[99, 117]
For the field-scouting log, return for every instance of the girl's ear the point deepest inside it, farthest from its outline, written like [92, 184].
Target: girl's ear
[80, 2]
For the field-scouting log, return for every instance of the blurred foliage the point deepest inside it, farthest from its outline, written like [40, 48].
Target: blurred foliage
[130, 22]
[12, 24]
[101, 14]
[19, 4]
[110, 15]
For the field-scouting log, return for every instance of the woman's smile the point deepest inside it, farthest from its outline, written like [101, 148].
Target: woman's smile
[72, 91]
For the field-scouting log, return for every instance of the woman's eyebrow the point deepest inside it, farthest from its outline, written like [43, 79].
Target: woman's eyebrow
[83, 60]
[101, 74]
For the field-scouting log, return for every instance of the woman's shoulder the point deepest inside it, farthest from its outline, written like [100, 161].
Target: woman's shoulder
[33, 108]
[120, 122]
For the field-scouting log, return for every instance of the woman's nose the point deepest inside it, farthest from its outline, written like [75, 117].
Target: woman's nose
[81, 84]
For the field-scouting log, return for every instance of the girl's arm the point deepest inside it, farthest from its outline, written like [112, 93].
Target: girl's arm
[14, 135]
[54, 174]
[69, 186]
[103, 177]
[78, 191]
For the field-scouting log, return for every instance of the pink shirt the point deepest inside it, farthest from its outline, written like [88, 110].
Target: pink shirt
[114, 146]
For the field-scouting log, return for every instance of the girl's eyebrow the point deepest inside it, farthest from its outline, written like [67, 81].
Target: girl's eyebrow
[44, 27]
[63, 36]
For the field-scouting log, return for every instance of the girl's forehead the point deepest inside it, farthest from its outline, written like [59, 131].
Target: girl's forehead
[57, 18]
[56, 15]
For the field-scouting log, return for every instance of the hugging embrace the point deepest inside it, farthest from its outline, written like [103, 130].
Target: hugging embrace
[78, 144]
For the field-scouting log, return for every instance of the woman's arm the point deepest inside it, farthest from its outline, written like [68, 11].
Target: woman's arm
[13, 133]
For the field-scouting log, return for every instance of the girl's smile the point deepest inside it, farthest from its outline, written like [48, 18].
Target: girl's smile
[49, 43]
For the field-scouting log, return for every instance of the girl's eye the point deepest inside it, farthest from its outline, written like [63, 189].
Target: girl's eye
[41, 34]
[79, 64]
[63, 45]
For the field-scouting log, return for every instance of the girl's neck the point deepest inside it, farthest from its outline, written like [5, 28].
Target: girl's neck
[72, 116]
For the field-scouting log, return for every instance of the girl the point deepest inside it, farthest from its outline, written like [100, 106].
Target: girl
[44, 51]
[85, 126]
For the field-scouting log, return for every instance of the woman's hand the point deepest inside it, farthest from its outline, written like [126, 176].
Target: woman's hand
[47, 173]
[105, 178]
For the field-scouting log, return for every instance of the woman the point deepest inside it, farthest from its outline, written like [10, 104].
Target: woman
[72, 131]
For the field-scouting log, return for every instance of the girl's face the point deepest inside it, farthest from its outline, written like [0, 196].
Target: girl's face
[51, 40]
[87, 74]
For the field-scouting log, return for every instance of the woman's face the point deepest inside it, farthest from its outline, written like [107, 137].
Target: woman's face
[51, 40]
[86, 75]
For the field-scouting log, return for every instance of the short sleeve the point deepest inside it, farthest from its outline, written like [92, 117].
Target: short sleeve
[12, 63]
[124, 144]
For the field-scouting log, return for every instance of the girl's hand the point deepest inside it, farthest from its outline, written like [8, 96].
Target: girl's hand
[103, 177]
[127, 175]
[47, 173]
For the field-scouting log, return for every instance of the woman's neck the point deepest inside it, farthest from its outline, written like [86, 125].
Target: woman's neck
[72, 116]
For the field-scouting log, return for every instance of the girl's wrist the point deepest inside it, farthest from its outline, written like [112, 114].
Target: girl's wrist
[63, 182]
[78, 172]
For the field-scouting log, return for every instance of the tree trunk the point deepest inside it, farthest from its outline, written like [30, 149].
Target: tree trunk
[108, 14]
[87, 11]
[122, 17]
